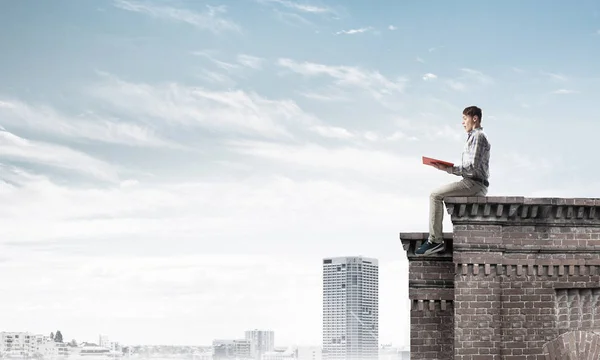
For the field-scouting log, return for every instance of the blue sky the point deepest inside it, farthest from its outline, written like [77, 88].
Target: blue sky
[186, 165]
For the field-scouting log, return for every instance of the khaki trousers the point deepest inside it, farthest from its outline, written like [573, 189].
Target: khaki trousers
[464, 187]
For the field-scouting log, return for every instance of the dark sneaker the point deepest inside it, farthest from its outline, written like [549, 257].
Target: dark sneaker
[429, 248]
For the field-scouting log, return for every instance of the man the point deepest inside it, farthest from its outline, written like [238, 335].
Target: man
[474, 170]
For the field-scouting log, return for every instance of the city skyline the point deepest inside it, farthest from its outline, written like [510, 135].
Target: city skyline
[186, 165]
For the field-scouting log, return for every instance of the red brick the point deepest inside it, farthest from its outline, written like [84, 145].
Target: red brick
[505, 302]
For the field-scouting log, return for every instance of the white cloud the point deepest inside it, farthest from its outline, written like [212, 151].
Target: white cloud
[185, 211]
[469, 79]
[216, 78]
[521, 162]
[435, 48]
[477, 76]
[557, 77]
[457, 85]
[399, 135]
[332, 132]
[564, 91]
[209, 20]
[392, 27]
[13, 147]
[429, 126]
[239, 69]
[354, 31]
[87, 126]
[429, 76]
[324, 96]
[371, 136]
[292, 19]
[349, 76]
[443, 132]
[233, 111]
[250, 61]
[369, 161]
[209, 54]
[299, 6]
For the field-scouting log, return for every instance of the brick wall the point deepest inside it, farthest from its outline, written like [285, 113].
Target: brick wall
[477, 298]
[431, 282]
[525, 281]
[432, 329]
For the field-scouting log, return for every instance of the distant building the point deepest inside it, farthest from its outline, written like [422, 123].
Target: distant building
[17, 344]
[202, 356]
[350, 308]
[263, 341]
[239, 349]
[54, 350]
[104, 341]
[223, 349]
[25, 344]
[309, 353]
[279, 354]
[244, 348]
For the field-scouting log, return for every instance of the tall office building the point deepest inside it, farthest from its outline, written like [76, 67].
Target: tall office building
[262, 341]
[350, 308]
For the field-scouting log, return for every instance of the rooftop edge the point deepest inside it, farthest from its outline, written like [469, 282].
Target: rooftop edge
[524, 211]
[521, 200]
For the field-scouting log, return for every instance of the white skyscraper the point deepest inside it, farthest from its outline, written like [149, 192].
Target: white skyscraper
[262, 341]
[350, 308]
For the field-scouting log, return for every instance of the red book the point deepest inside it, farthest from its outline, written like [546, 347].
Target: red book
[431, 161]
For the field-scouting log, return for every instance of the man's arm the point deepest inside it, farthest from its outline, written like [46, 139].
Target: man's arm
[472, 158]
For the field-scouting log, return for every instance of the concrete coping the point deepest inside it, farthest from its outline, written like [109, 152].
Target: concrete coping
[521, 211]
[520, 200]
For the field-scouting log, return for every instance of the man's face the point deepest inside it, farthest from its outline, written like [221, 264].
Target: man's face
[469, 122]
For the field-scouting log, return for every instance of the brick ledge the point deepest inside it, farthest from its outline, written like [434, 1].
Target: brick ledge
[521, 200]
[412, 240]
[431, 305]
[431, 294]
[567, 269]
[528, 249]
[522, 210]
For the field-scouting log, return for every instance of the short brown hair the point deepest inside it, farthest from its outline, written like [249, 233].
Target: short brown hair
[472, 111]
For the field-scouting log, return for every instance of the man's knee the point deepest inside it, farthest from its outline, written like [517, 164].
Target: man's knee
[437, 196]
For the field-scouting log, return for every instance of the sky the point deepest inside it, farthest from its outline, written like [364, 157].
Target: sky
[174, 171]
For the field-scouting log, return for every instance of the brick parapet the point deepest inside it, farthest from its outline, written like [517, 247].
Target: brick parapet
[432, 275]
[522, 210]
[526, 239]
[525, 280]
[431, 291]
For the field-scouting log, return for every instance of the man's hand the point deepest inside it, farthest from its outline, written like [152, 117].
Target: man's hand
[441, 167]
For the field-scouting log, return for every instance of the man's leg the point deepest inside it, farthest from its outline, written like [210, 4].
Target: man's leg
[464, 187]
